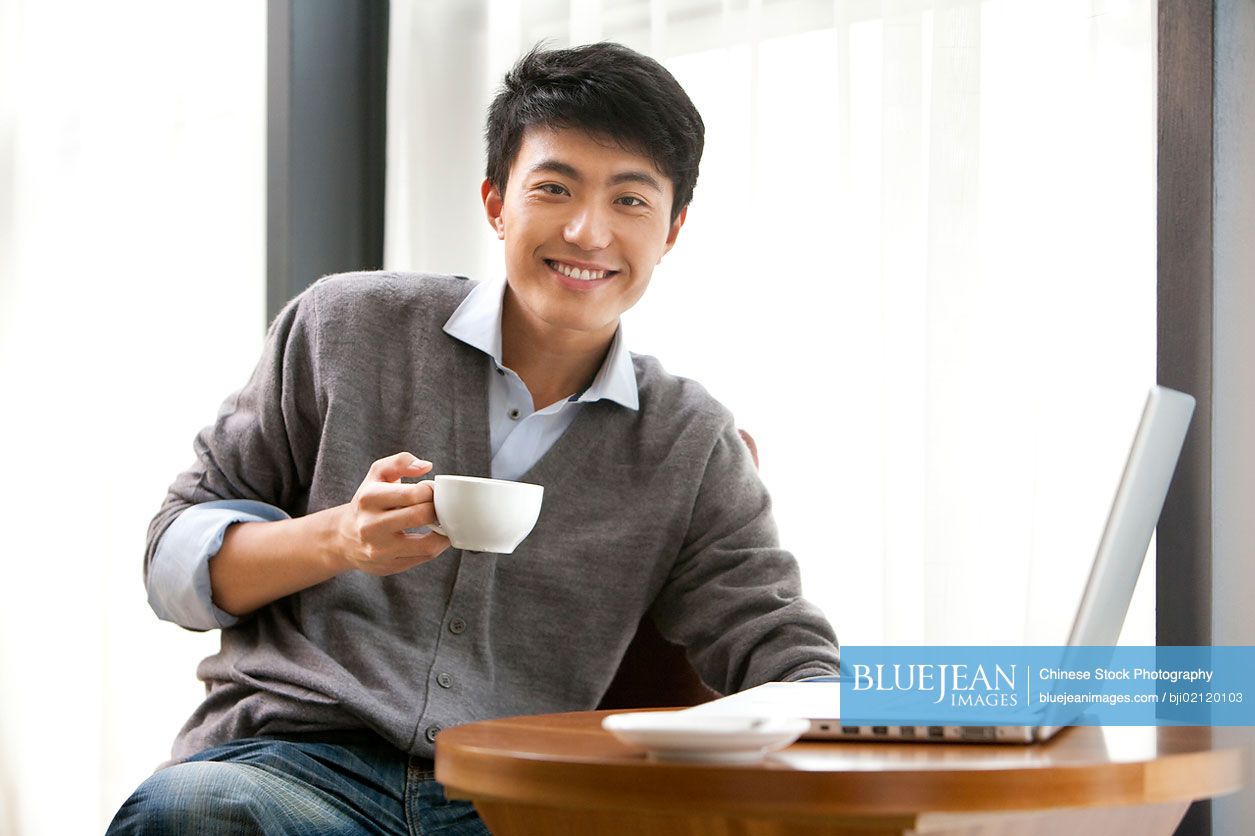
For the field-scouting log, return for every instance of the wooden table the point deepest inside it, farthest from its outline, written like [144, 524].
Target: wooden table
[562, 774]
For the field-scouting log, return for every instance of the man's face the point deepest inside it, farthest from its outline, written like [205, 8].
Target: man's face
[584, 222]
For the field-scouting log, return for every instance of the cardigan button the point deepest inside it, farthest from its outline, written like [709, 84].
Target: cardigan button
[444, 680]
[457, 625]
[431, 733]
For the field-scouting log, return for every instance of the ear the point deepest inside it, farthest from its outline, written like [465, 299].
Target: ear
[674, 232]
[493, 205]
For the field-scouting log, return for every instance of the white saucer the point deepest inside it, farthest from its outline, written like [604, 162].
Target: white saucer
[683, 736]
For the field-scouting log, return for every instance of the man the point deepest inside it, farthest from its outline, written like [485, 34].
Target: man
[349, 640]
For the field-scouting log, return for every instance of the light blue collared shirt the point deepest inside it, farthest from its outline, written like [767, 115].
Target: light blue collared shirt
[520, 435]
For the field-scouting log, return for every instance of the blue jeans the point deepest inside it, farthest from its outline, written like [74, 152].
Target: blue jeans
[300, 784]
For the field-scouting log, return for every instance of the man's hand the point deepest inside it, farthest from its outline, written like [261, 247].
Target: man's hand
[371, 529]
[260, 562]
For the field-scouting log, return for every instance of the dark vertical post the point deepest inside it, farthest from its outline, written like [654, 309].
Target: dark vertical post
[326, 135]
[1183, 573]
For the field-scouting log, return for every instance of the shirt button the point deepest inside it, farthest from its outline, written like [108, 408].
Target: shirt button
[514, 414]
[445, 680]
[431, 733]
[500, 371]
[457, 625]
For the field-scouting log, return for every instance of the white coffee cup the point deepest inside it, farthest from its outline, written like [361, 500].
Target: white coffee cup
[485, 515]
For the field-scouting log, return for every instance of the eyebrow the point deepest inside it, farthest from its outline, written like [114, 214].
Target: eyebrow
[567, 170]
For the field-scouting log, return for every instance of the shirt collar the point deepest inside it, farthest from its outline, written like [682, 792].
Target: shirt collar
[477, 322]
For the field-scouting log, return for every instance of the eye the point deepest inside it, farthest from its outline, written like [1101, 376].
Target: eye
[552, 188]
[631, 200]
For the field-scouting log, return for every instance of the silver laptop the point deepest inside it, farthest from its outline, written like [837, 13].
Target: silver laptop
[1099, 618]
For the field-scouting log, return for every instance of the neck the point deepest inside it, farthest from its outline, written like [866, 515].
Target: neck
[554, 363]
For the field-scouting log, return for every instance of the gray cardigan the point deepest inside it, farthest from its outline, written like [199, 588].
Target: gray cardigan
[658, 508]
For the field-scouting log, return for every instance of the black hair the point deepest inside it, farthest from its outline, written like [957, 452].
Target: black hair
[606, 90]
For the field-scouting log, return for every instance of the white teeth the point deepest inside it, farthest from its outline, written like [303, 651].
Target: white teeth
[575, 273]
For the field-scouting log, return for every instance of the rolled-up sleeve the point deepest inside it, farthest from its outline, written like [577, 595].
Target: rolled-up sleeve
[178, 578]
[253, 463]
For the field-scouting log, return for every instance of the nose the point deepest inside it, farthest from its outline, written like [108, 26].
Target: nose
[588, 228]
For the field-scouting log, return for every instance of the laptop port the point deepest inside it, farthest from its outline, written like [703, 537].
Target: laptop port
[906, 731]
[824, 727]
[977, 732]
[880, 729]
[849, 729]
[936, 731]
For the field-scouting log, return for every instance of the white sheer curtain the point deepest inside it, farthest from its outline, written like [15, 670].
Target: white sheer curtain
[919, 266]
[132, 300]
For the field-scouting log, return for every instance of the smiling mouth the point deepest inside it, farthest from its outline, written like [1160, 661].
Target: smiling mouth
[577, 273]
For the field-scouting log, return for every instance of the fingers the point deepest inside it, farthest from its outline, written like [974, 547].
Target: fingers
[379, 528]
[380, 536]
[412, 547]
[384, 507]
[392, 468]
[383, 552]
[399, 519]
[422, 547]
[396, 565]
[388, 496]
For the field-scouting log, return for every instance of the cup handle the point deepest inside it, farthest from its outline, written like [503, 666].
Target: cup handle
[436, 525]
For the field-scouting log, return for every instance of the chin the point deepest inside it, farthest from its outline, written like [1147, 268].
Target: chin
[559, 310]
[577, 321]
